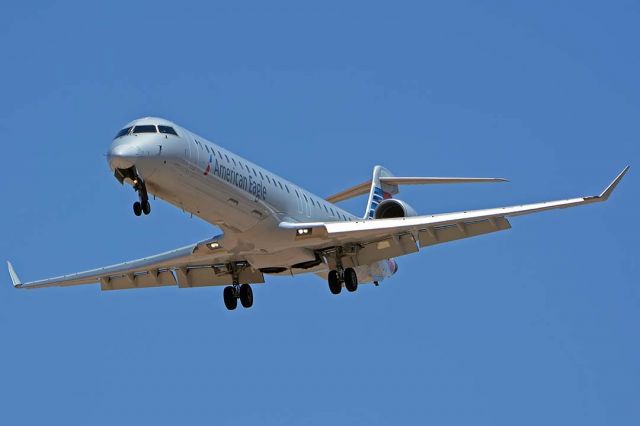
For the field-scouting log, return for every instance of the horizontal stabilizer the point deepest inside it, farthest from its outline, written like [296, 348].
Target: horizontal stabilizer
[395, 180]
[364, 187]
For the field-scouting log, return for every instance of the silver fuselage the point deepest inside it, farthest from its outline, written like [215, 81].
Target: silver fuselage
[245, 200]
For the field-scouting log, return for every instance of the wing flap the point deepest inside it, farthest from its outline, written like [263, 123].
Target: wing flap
[386, 248]
[138, 280]
[442, 234]
[205, 276]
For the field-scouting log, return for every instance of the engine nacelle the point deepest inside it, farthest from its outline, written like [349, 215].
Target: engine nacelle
[392, 208]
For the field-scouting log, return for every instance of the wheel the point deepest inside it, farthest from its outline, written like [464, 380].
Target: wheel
[350, 279]
[246, 295]
[146, 207]
[137, 208]
[230, 299]
[335, 286]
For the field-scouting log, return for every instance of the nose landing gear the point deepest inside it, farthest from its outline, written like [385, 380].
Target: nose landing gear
[142, 206]
[139, 208]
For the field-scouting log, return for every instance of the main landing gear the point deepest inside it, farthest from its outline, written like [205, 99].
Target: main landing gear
[339, 276]
[142, 206]
[232, 293]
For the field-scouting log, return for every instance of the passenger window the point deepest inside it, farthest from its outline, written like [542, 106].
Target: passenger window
[219, 155]
[227, 157]
[248, 171]
[261, 176]
[280, 185]
[305, 197]
[207, 147]
[268, 180]
[287, 188]
[148, 128]
[297, 195]
[254, 172]
[167, 130]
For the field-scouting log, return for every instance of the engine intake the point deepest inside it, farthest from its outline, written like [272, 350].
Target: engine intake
[391, 208]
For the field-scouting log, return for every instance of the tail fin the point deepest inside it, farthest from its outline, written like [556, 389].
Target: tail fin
[379, 190]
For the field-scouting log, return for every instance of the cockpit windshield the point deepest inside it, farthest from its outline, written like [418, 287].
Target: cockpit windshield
[167, 130]
[123, 132]
[147, 128]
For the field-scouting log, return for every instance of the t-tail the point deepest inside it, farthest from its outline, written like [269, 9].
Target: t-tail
[385, 185]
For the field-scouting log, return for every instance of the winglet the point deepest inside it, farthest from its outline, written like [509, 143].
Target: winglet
[14, 277]
[607, 192]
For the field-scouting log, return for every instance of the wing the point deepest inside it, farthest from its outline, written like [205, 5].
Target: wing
[196, 265]
[379, 239]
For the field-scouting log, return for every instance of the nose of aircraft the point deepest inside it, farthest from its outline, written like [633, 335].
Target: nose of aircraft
[122, 156]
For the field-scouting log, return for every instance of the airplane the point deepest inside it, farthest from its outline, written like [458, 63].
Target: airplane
[271, 226]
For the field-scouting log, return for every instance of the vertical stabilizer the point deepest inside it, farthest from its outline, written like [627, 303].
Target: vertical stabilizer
[379, 191]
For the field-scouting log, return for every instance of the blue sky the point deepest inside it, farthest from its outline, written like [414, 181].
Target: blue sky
[537, 325]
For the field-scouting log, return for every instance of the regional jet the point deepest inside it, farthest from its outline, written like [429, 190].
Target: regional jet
[270, 225]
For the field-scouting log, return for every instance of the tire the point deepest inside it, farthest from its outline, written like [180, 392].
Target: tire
[230, 300]
[350, 279]
[246, 295]
[335, 286]
[137, 208]
[146, 207]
